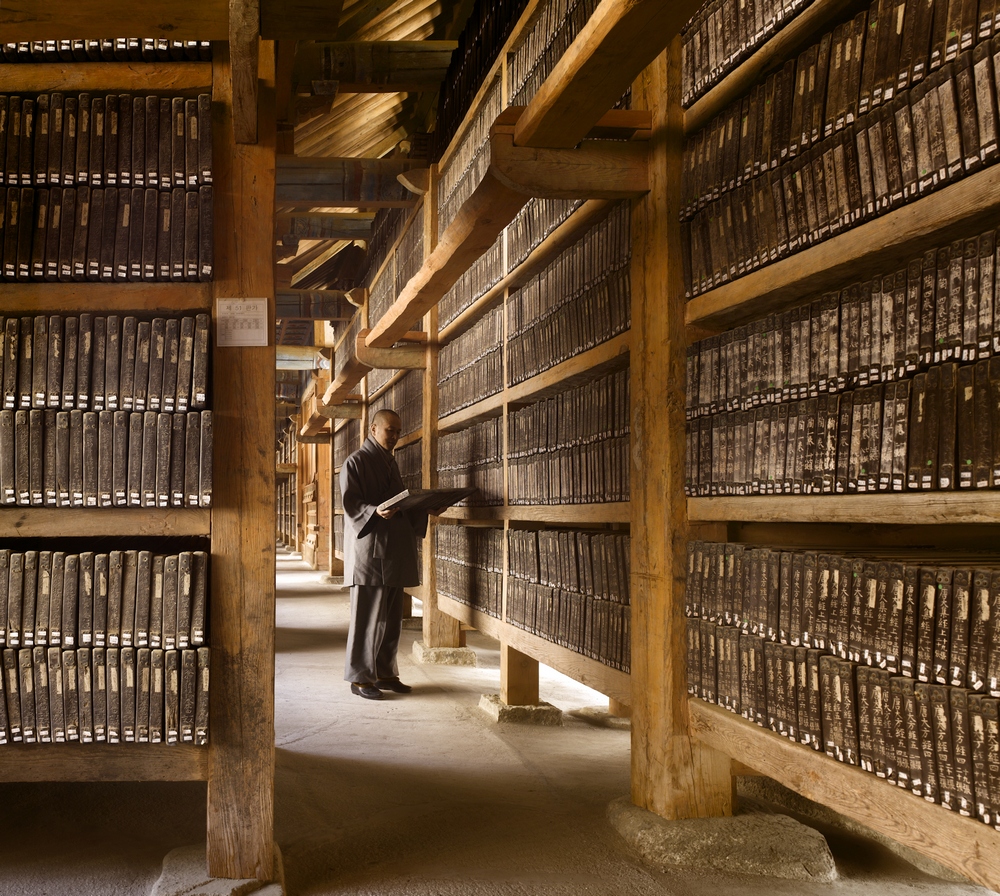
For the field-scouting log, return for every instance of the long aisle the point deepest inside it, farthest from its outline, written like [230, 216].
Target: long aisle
[422, 795]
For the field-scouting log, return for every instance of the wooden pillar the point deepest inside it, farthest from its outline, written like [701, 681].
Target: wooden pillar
[672, 774]
[518, 677]
[241, 783]
[439, 629]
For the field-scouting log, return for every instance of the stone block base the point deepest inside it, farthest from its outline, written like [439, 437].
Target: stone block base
[542, 714]
[185, 874]
[443, 656]
[764, 845]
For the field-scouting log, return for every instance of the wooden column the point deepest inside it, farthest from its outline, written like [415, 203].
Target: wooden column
[439, 629]
[518, 677]
[672, 774]
[241, 783]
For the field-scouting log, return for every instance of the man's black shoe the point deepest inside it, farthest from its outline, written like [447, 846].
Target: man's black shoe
[368, 691]
[393, 684]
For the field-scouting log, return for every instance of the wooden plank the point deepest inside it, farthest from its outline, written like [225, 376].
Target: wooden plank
[620, 39]
[160, 78]
[965, 845]
[299, 19]
[372, 66]
[608, 681]
[26, 20]
[241, 788]
[340, 412]
[671, 774]
[802, 29]
[557, 514]
[961, 209]
[916, 508]
[286, 469]
[101, 762]
[342, 388]
[244, 40]
[40, 522]
[169, 298]
[518, 677]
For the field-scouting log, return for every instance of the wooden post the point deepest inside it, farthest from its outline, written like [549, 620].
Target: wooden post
[672, 774]
[241, 782]
[518, 677]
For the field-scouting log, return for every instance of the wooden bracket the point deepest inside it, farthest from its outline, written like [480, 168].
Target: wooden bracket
[357, 296]
[593, 170]
[340, 411]
[319, 438]
[416, 181]
[399, 358]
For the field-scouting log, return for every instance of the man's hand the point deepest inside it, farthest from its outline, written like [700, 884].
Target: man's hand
[387, 514]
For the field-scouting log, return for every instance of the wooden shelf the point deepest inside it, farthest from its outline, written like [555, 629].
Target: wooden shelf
[556, 514]
[44, 522]
[103, 762]
[911, 508]
[960, 209]
[579, 222]
[591, 363]
[792, 39]
[409, 438]
[163, 78]
[963, 844]
[166, 298]
[611, 682]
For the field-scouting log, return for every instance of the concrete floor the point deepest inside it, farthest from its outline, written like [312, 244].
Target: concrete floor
[416, 795]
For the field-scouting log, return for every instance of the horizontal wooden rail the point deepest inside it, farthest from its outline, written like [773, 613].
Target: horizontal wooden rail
[38, 522]
[964, 844]
[611, 682]
[960, 209]
[906, 509]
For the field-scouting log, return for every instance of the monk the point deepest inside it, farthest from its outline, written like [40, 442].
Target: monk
[380, 559]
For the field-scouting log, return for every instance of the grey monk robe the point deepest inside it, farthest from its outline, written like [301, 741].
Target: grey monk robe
[380, 559]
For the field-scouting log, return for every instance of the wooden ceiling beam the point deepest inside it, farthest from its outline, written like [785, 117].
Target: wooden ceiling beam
[300, 19]
[319, 260]
[371, 66]
[324, 226]
[27, 20]
[345, 182]
[619, 40]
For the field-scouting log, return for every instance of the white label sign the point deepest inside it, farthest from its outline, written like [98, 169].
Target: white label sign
[241, 322]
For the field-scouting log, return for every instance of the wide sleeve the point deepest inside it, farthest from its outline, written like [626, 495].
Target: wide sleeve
[418, 522]
[361, 515]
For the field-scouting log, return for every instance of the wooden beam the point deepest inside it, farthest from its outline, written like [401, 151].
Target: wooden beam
[619, 40]
[241, 785]
[244, 40]
[319, 438]
[26, 20]
[397, 358]
[325, 226]
[341, 411]
[299, 19]
[319, 260]
[672, 775]
[343, 183]
[595, 170]
[164, 79]
[371, 66]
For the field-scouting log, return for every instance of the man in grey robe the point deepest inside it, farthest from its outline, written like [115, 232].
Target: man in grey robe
[380, 559]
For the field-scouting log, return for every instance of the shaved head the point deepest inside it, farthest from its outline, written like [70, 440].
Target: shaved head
[386, 427]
